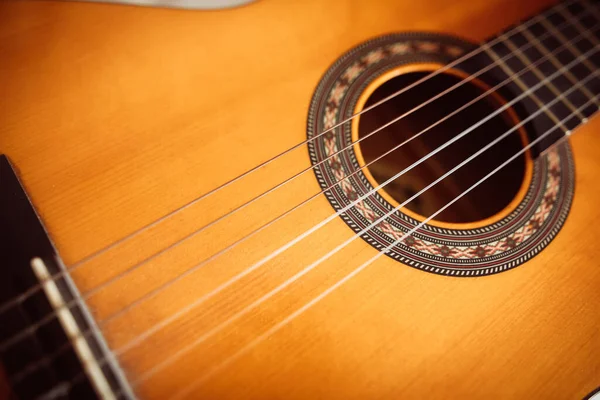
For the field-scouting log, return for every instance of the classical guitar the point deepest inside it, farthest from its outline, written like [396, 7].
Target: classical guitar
[300, 200]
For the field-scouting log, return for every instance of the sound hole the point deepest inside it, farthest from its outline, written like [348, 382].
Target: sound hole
[491, 197]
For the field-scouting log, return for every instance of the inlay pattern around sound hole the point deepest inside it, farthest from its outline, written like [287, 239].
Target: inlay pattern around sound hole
[520, 233]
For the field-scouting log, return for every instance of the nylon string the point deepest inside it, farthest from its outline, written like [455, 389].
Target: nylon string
[103, 250]
[135, 266]
[9, 342]
[179, 354]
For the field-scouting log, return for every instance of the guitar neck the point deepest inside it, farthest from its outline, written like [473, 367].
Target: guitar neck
[551, 61]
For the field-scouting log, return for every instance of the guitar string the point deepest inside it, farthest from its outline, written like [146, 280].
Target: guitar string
[19, 299]
[545, 107]
[139, 231]
[274, 329]
[373, 106]
[259, 339]
[174, 356]
[27, 331]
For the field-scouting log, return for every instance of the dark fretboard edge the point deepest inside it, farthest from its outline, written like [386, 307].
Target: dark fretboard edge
[551, 64]
[40, 359]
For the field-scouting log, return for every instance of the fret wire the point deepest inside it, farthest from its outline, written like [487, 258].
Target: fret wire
[564, 14]
[570, 47]
[593, 39]
[569, 15]
[593, 10]
[538, 39]
[541, 76]
[522, 84]
[557, 64]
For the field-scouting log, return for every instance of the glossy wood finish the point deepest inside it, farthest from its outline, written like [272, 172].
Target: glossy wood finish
[117, 115]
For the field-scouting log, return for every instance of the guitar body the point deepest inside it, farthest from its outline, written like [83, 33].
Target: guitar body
[115, 116]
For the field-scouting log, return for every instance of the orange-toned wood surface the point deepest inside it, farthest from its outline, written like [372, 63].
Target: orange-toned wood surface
[117, 115]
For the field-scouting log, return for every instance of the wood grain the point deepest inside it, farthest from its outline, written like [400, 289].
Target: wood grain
[117, 115]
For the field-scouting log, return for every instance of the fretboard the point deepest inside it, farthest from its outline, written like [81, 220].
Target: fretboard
[551, 64]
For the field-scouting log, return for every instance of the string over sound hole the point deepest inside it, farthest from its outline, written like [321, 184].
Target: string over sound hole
[487, 200]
